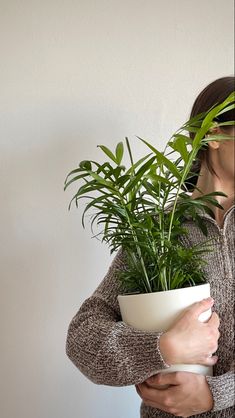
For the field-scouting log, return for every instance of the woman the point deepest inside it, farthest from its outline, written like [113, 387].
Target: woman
[110, 352]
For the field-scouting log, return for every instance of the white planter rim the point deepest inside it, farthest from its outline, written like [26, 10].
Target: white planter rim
[162, 291]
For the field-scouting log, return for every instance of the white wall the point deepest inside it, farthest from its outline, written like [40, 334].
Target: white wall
[74, 74]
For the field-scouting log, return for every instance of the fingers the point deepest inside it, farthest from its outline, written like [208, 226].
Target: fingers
[208, 360]
[214, 320]
[151, 395]
[214, 333]
[146, 392]
[199, 307]
[211, 361]
[148, 395]
[164, 379]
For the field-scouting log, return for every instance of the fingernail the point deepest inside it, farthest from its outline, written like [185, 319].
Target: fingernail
[209, 299]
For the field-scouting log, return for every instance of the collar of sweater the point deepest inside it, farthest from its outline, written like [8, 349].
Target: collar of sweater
[228, 215]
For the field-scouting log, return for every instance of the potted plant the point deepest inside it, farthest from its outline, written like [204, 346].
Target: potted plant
[141, 209]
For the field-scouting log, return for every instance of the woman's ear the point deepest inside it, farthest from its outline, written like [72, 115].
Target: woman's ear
[214, 145]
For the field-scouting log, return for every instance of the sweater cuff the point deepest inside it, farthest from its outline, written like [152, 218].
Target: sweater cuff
[142, 353]
[164, 364]
[222, 388]
[149, 358]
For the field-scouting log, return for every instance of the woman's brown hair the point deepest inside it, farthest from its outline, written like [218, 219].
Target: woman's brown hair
[215, 93]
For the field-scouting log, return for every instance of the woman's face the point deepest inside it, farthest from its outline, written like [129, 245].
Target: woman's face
[222, 156]
[227, 155]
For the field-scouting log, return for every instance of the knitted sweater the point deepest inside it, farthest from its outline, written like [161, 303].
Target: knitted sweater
[109, 352]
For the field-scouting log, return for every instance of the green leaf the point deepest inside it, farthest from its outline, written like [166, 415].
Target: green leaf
[119, 152]
[81, 176]
[129, 152]
[77, 170]
[94, 203]
[201, 224]
[162, 159]
[159, 179]
[226, 109]
[217, 138]
[136, 179]
[228, 123]
[85, 165]
[132, 169]
[179, 145]
[122, 180]
[100, 180]
[108, 153]
[216, 194]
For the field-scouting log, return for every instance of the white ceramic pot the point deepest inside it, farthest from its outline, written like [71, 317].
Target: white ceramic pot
[158, 311]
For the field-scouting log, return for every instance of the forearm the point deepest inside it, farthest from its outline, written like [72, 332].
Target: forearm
[108, 351]
[223, 390]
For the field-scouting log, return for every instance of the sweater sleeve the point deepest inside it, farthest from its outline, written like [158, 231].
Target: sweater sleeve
[104, 348]
[223, 390]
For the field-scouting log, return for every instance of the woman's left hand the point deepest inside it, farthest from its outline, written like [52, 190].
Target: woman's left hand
[188, 393]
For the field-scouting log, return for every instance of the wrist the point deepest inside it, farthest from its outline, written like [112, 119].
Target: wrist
[206, 393]
[166, 349]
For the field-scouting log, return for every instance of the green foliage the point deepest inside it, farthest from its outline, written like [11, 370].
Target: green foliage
[141, 208]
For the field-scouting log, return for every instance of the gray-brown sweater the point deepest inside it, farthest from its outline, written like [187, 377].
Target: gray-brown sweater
[109, 352]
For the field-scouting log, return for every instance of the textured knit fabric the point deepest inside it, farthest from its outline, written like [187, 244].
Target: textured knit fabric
[109, 352]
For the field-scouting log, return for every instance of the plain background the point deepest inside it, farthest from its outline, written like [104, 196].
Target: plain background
[75, 74]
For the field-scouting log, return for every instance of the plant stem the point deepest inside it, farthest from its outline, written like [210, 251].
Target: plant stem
[137, 248]
[124, 205]
[186, 170]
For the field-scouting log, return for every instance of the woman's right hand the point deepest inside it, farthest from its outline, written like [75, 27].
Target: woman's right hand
[190, 341]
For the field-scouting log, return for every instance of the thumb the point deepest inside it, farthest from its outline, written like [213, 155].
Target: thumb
[198, 308]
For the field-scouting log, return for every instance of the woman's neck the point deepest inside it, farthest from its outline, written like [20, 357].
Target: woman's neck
[207, 183]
